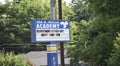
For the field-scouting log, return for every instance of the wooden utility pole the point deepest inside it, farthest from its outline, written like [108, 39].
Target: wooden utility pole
[61, 43]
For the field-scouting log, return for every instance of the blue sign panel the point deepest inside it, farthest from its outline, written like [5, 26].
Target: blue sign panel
[50, 30]
[52, 58]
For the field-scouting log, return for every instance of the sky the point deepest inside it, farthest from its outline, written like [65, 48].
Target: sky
[67, 1]
[2, 1]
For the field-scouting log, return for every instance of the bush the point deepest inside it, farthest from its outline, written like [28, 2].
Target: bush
[115, 59]
[10, 59]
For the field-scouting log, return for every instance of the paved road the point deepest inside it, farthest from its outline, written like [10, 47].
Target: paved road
[39, 58]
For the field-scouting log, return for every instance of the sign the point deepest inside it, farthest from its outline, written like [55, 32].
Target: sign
[52, 58]
[50, 30]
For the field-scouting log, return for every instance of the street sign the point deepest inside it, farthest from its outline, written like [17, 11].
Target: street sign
[50, 30]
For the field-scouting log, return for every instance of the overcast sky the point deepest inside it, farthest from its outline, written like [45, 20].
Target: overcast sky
[67, 1]
[2, 1]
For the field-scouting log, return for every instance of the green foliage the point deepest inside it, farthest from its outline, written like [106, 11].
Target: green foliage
[100, 36]
[105, 7]
[81, 10]
[15, 19]
[10, 59]
[93, 42]
[78, 37]
[114, 60]
[67, 12]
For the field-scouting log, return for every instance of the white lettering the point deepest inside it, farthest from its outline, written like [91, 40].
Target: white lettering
[47, 26]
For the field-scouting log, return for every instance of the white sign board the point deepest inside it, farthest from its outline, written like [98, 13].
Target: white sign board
[50, 30]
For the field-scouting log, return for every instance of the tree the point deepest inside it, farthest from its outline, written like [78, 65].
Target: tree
[78, 41]
[81, 10]
[105, 7]
[95, 42]
[67, 12]
[16, 25]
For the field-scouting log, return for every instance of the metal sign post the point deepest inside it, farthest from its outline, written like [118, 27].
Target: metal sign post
[52, 54]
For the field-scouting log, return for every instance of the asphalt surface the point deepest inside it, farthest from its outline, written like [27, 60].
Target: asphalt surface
[39, 58]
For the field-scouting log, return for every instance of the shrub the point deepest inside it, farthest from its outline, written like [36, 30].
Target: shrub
[10, 59]
[115, 59]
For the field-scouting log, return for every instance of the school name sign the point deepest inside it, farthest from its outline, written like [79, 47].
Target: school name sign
[50, 30]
